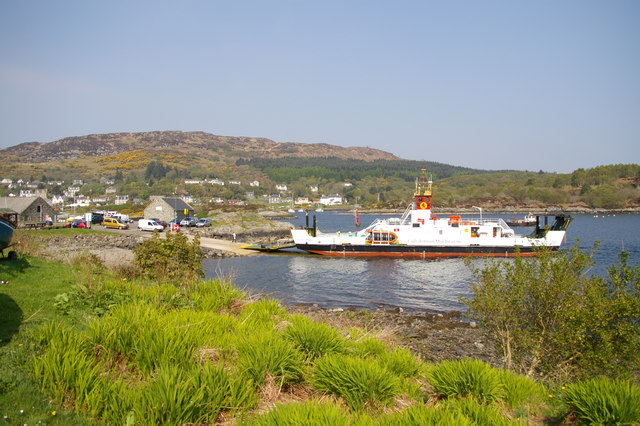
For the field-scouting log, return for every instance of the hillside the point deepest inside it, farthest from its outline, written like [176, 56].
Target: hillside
[206, 144]
[151, 163]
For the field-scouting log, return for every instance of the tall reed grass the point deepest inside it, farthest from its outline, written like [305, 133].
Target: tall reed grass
[363, 383]
[313, 338]
[466, 378]
[603, 401]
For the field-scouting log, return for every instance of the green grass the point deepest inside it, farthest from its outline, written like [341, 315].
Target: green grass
[27, 302]
[115, 350]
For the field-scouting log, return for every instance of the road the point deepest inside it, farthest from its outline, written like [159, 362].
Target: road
[210, 243]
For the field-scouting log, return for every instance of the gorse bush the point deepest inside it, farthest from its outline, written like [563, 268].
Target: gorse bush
[466, 378]
[604, 402]
[172, 258]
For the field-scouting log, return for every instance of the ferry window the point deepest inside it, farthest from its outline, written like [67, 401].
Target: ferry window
[496, 231]
[474, 231]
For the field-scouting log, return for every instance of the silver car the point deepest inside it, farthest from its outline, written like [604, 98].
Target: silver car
[188, 221]
[205, 221]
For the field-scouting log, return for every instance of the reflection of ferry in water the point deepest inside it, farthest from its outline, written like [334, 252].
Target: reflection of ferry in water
[420, 234]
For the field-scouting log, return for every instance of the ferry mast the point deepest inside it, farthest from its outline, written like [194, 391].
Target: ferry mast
[422, 196]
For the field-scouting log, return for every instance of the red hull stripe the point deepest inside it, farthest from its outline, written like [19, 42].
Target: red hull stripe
[415, 255]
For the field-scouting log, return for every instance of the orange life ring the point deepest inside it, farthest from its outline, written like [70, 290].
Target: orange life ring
[454, 219]
[424, 205]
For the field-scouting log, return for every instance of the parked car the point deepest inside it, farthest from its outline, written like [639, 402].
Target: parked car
[160, 222]
[149, 225]
[76, 223]
[205, 221]
[188, 221]
[114, 223]
[97, 217]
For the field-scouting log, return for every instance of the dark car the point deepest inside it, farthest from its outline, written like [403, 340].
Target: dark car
[160, 222]
[97, 218]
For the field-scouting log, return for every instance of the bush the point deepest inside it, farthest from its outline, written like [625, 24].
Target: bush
[172, 258]
[602, 401]
[550, 318]
[465, 378]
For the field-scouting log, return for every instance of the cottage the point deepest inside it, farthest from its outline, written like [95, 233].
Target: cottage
[29, 209]
[331, 200]
[167, 208]
[121, 199]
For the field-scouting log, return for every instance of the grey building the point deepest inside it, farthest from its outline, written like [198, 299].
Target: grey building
[29, 209]
[167, 208]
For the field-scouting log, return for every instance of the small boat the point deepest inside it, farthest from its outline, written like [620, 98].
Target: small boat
[528, 220]
[8, 224]
[419, 234]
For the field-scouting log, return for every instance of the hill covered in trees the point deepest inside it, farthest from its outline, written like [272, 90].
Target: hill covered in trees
[159, 163]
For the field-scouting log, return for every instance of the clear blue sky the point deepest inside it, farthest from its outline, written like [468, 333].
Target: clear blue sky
[526, 85]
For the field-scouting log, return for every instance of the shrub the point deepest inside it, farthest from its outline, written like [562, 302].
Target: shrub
[604, 401]
[361, 382]
[465, 378]
[172, 258]
[313, 338]
[550, 318]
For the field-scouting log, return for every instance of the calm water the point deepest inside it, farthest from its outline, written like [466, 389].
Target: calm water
[416, 284]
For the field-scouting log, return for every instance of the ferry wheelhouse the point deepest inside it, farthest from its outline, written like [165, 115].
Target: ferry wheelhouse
[421, 234]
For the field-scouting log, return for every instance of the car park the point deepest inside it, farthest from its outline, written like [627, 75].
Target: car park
[149, 225]
[188, 221]
[114, 223]
[205, 221]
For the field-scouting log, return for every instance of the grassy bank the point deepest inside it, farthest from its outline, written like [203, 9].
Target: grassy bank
[82, 345]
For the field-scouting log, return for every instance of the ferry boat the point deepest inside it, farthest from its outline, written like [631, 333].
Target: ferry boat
[421, 234]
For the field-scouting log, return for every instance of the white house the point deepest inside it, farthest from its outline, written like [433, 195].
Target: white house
[281, 187]
[192, 182]
[26, 193]
[216, 181]
[57, 199]
[234, 182]
[313, 188]
[331, 200]
[254, 183]
[274, 198]
[121, 199]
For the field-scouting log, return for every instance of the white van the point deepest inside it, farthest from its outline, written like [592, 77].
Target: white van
[149, 225]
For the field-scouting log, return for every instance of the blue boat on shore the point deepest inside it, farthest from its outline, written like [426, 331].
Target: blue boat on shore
[8, 224]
